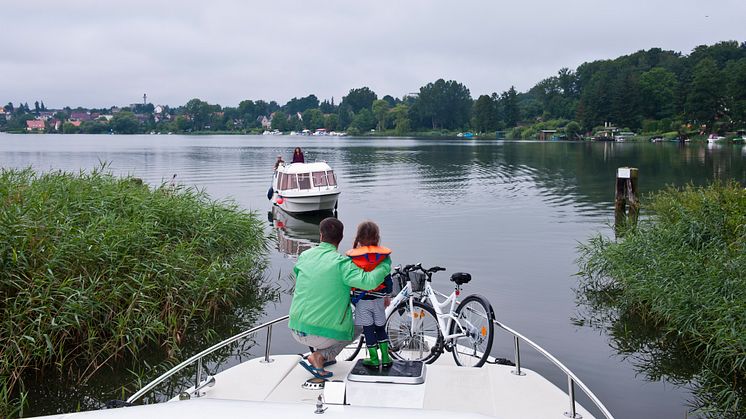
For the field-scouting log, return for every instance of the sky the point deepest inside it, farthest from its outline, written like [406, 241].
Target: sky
[96, 53]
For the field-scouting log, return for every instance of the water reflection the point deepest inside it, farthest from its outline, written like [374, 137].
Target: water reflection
[295, 232]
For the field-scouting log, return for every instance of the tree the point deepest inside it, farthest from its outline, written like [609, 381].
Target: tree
[331, 122]
[361, 98]
[280, 121]
[391, 100]
[736, 91]
[125, 123]
[327, 107]
[381, 110]
[301, 105]
[509, 106]
[658, 91]
[485, 114]
[400, 115]
[364, 120]
[345, 116]
[572, 130]
[199, 112]
[705, 99]
[447, 104]
[313, 119]
[37, 108]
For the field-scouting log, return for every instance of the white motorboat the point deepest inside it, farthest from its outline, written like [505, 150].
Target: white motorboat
[277, 386]
[714, 138]
[304, 187]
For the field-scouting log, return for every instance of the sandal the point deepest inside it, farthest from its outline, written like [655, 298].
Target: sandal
[326, 363]
[316, 372]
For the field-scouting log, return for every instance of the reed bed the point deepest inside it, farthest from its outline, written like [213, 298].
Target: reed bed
[93, 267]
[684, 270]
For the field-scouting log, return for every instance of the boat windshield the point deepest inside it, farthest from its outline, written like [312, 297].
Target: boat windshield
[331, 178]
[319, 178]
[288, 181]
[304, 180]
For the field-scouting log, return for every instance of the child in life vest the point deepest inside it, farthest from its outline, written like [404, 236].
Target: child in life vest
[370, 306]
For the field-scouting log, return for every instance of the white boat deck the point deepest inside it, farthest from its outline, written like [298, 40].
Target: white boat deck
[490, 391]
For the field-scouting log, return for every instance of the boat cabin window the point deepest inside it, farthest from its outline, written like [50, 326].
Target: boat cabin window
[288, 181]
[319, 178]
[331, 178]
[304, 180]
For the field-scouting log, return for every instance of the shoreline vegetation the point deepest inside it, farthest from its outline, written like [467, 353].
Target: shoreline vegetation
[649, 94]
[671, 292]
[94, 268]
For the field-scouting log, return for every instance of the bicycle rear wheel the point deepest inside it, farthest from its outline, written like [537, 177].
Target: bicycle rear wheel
[353, 348]
[475, 316]
[414, 336]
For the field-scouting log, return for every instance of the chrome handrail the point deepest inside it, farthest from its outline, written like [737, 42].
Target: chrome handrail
[198, 357]
[572, 379]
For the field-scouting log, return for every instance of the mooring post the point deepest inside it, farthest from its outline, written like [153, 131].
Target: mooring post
[626, 196]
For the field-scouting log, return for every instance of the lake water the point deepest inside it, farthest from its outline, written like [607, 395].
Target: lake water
[510, 213]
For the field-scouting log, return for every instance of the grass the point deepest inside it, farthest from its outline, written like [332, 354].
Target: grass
[684, 270]
[95, 267]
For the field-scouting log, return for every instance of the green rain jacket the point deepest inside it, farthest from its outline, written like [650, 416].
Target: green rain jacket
[321, 301]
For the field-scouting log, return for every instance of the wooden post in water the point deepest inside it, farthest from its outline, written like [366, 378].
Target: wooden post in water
[626, 197]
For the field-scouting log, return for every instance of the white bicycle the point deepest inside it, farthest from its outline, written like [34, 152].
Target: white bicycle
[421, 328]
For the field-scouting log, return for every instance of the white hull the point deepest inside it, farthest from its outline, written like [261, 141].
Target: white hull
[308, 203]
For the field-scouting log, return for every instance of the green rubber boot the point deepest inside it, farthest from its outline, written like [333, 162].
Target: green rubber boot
[385, 358]
[372, 361]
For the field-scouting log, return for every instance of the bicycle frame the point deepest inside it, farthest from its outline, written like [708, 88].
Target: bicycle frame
[445, 318]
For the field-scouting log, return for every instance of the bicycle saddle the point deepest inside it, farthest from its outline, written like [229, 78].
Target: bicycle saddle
[461, 278]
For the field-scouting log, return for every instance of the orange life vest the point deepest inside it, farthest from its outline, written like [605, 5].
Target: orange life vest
[368, 257]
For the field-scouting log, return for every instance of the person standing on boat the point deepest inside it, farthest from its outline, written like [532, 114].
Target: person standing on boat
[320, 313]
[370, 306]
[298, 156]
[278, 162]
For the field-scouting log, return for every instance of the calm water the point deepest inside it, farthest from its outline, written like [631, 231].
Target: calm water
[509, 213]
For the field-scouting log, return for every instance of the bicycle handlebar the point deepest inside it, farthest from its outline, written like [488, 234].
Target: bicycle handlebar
[418, 267]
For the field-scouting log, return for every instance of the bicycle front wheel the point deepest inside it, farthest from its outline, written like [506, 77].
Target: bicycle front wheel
[475, 316]
[414, 335]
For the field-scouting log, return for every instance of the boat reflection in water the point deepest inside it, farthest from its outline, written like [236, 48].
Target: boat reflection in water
[296, 232]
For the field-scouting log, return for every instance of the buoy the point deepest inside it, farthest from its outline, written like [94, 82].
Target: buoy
[280, 201]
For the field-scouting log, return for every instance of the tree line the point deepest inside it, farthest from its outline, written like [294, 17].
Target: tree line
[648, 91]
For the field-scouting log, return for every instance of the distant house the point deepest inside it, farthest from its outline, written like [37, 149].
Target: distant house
[46, 115]
[3, 114]
[35, 124]
[80, 116]
[56, 123]
[266, 122]
[75, 123]
[158, 109]
[546, 134]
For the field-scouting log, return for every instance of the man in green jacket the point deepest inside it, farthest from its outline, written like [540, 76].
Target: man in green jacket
[320, 314]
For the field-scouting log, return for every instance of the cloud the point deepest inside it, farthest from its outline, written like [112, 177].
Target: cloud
[93, 53]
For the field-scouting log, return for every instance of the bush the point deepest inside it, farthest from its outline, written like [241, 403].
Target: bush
[93, 266]
[684, 268]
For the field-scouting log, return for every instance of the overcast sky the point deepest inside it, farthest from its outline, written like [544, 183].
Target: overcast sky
[101, 53]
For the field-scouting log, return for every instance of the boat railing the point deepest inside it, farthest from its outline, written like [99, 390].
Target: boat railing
[572, 379]
[209, 381]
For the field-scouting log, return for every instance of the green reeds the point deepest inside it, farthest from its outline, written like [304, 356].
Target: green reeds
[93, 267]
[684, 269]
